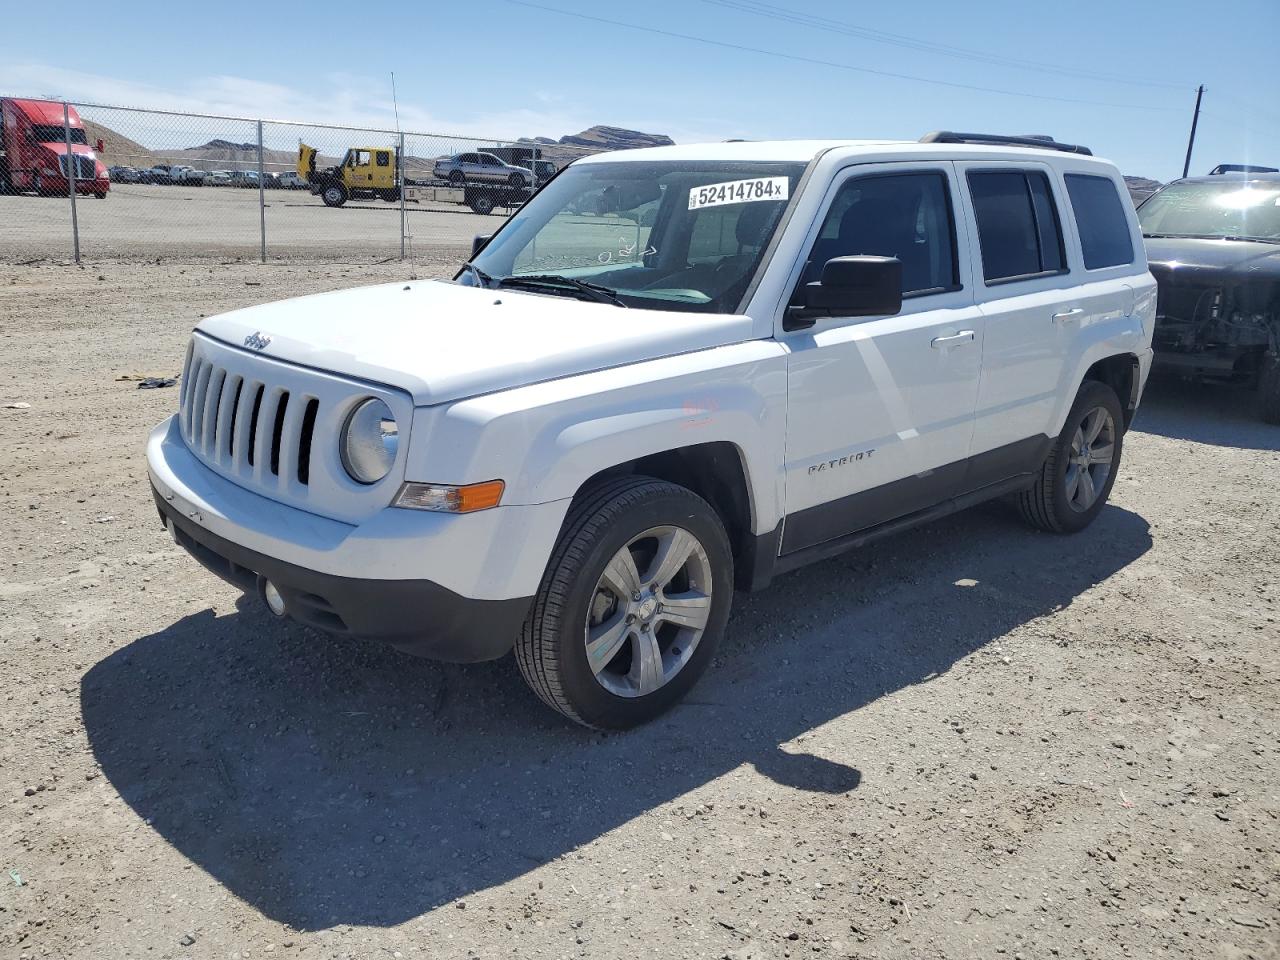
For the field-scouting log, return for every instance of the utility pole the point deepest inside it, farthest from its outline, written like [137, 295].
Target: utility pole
[1191, 141]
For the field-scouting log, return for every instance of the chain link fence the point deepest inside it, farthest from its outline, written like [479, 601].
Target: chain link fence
[153, 185]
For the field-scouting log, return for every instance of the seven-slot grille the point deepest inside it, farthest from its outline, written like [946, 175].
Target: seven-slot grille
[248, 428]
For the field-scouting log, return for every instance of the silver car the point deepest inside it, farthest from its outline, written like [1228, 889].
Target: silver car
[482, 168]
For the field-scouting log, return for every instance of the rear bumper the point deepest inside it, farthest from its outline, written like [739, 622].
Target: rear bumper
[417, 616]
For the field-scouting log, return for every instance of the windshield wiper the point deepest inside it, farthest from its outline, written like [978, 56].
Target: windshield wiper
[484, 278]
[554, 281]
[1209, 236]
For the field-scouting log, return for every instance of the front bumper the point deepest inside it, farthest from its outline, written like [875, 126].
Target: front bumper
[439, 585]
[417, 616]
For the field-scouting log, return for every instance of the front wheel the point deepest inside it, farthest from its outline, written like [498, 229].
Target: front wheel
[101, 195]
[334, 195]
[634, 600]
[516, 181]
[1075, 481]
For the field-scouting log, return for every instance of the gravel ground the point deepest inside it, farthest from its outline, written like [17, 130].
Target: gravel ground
[969, 741]
[145, 221]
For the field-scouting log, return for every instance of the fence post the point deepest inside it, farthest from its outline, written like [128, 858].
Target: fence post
[71, 179]
[262, 197]
[403, 180]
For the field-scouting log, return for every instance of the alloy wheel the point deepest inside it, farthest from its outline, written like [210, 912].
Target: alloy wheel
[649, 610]
[1091, 458]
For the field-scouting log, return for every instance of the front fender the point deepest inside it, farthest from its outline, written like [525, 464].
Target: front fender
[545, 440]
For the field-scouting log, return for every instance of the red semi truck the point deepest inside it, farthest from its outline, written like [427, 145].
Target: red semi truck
[33, 151]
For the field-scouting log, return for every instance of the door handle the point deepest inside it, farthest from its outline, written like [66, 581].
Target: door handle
[1067, 314]
[964, 336]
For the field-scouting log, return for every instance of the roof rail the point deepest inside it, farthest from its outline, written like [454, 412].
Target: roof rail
[1222, 168]
[1038, 141]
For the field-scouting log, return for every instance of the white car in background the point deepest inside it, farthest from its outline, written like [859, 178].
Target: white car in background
[187, 175]
[291, 180]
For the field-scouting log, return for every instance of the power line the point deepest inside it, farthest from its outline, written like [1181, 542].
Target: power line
[1248, 107]
[799, 18]
[797, 58]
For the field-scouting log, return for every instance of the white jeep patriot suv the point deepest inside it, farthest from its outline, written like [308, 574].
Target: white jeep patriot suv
[673, 372]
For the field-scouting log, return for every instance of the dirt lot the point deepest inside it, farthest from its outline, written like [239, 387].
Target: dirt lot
[140, 221]
[971, 741]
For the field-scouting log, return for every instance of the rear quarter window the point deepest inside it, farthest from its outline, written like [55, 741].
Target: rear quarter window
[1100, 220]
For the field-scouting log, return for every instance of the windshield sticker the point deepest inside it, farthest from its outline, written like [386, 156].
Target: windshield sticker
[739, 191]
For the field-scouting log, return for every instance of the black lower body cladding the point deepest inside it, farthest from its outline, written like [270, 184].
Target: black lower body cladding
[419, 617]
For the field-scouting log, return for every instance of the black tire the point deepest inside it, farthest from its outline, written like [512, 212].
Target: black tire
[482, 203]
[102, 195]
[390, 196]
[334, 195]
[1047, 504]
[517, 180]
[551, 651]
[1269, 389]
[457, 178]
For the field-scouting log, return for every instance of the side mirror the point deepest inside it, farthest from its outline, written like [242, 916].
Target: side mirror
[859, 286]
[478, 242]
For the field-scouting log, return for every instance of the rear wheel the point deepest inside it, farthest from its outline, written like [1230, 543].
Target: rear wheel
[1269, 389]
[101, 195]
[334, 195]
[482, 203]
[633, 602]
[1076, 479]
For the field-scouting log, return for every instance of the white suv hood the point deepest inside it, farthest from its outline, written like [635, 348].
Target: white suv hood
[439, 341]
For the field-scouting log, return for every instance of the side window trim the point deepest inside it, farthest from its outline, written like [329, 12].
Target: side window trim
[980, 263]
[957, 280]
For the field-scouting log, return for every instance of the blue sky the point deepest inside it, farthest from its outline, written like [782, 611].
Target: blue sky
[504, 69]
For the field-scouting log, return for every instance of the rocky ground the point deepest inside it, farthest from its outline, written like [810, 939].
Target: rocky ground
[970, 741]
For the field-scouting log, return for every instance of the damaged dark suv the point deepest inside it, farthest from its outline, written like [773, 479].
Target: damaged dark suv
[1213, 245]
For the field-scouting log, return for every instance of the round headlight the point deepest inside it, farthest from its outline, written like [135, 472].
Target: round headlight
[369, 441]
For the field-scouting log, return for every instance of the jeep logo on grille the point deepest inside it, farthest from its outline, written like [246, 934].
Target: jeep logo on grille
[257, 341]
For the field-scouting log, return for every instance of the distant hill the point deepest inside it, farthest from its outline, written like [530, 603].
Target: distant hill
[227, 155]
[117, 149]
[222, 154]
[1141, 187]
[597, 139]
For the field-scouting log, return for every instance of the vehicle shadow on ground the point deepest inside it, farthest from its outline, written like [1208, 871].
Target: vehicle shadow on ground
[1221, 414]
[325, 781]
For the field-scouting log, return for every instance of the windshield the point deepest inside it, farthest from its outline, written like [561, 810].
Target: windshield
[50, 133]
[673, 235]
[1233, 208]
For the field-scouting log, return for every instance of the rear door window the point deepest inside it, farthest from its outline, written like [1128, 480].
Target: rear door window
[1100, 221]
[1018, 226]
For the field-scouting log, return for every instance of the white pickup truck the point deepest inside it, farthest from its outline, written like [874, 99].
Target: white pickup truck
[673, 373]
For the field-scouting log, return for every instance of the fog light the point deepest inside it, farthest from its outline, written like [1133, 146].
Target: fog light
[275, 602]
